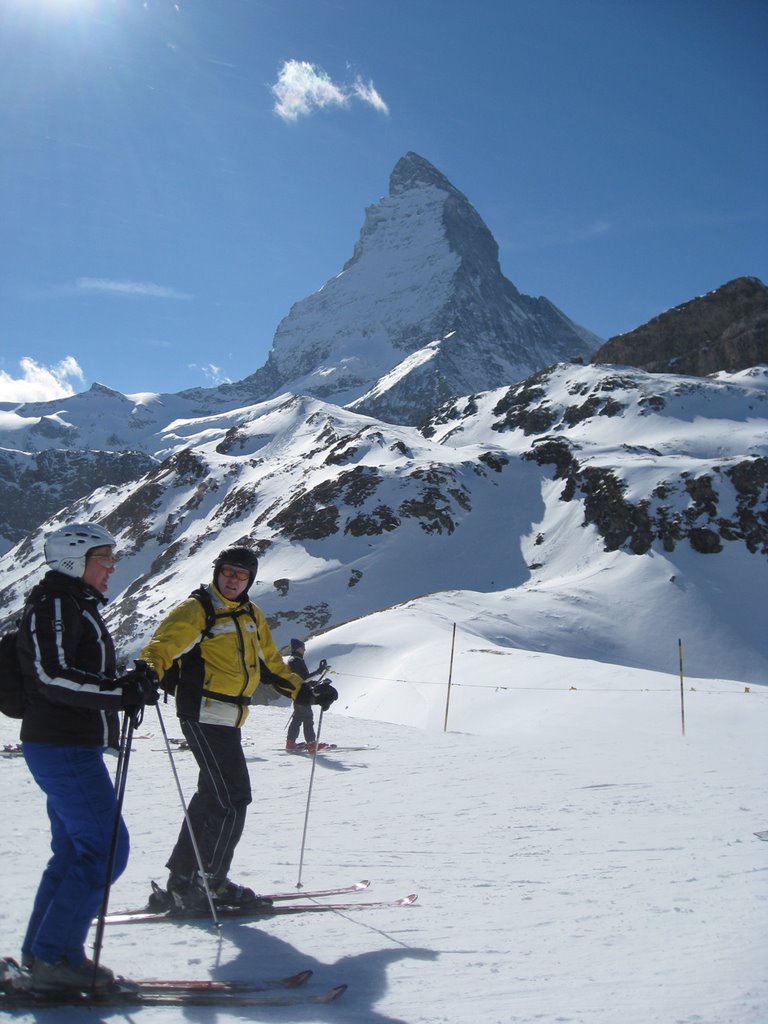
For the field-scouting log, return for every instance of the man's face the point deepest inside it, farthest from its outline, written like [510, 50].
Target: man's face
[99, 566]
[232, 581]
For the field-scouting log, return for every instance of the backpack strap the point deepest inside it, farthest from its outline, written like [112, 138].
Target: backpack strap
[202, 595]
[211, 615]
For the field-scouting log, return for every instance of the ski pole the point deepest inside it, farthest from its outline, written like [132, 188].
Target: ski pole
[682, 691]
[130, 719]
[195, 847]
[309, 797]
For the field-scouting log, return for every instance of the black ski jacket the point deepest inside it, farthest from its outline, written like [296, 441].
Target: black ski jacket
[297, 664]
[68, 661]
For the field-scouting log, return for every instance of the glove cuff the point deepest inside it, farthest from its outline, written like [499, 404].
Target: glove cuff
[305, 695]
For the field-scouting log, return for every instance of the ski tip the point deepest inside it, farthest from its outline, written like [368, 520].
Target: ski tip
[364, 883]
[9, 970]
[295, 980]
[331, 995]
[406, 901]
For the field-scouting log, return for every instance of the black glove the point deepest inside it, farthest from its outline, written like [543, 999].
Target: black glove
[140, 686]
[324, 695]
[321, 668]
[305, 695]
[149, 672]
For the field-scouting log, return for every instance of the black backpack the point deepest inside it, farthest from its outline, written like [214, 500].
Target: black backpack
[11, 679]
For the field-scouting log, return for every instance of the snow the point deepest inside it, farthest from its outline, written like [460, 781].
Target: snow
[576, 857]
[502, 545]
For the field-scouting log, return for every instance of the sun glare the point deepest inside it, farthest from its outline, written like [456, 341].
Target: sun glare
[41, 12]
[54, 6]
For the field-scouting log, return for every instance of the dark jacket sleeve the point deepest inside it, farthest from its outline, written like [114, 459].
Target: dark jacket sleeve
[279, 676]
[297, 664]
[68, 652]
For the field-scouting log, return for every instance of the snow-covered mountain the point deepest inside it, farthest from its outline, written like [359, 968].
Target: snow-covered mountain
[567, 531]
[35, 485]
[590, 493]
[421, 312]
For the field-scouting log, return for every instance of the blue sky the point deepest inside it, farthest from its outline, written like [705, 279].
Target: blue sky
[174, 176]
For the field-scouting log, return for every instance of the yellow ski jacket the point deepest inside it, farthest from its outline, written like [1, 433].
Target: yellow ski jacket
[219, 663]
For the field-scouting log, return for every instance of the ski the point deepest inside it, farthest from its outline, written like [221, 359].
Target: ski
[14, 977]
[243, 913]
[14, 999]
[218, 985]
[275, 897]
[311, 894]
[364, 746]
[330, 748]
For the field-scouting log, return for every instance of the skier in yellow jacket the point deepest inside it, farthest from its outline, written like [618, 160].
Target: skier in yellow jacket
[214, 650]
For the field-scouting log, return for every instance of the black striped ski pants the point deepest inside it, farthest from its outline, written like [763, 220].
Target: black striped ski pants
[217, 810]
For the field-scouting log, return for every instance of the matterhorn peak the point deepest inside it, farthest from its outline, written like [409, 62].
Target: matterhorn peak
[419, 314]
[412, 170]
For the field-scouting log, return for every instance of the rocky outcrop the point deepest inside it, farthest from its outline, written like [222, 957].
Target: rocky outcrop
[724, 501]
[726, 329]
[35, 486]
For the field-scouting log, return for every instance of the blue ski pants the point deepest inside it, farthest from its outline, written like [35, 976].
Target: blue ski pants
[82, 806]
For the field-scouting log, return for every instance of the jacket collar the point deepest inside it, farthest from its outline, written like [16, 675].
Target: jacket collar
[56, 580]
[224, 602]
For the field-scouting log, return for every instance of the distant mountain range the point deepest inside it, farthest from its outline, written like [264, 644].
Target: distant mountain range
[464, 445]
[561, 484]
[419, 314]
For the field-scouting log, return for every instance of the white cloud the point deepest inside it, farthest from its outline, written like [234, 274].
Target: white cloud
[370, 94]
[153, 291]
[212, 372]
[302, 87]
[40, 383]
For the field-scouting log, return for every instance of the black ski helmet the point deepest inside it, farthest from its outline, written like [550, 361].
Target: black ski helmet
[241, 558]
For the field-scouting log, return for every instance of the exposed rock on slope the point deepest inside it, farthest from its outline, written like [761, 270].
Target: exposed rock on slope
[726, 329]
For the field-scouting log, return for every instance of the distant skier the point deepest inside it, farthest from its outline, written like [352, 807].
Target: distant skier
[72, 702]
[303, 717]
[219, 654]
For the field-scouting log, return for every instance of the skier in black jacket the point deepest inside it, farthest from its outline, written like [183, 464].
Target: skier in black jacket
[303, 716]
[72, 702]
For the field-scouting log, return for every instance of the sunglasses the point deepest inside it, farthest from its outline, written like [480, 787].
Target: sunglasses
[108, 561]
[238, 574]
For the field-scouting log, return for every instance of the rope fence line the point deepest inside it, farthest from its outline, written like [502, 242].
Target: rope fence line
[748, 688]
[565, 688]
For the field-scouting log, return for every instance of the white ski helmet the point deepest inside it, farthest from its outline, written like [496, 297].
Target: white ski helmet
[66, 548]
